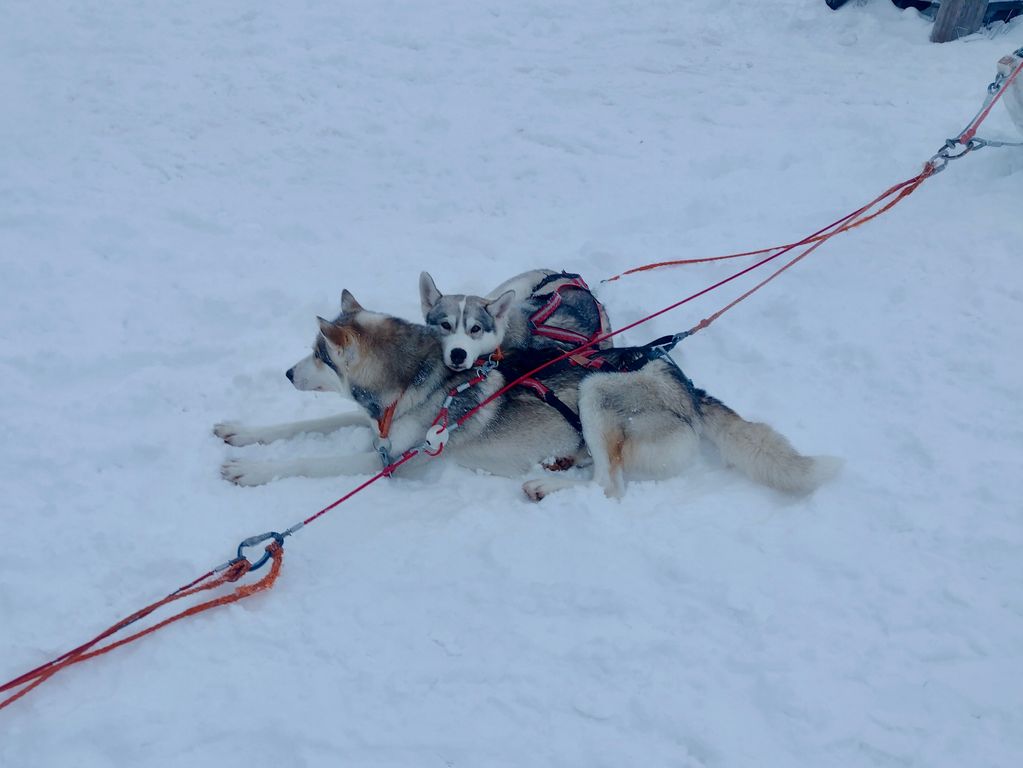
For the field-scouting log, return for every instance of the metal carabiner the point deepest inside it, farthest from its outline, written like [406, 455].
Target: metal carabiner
[253, 541]
[951, 144]
[485, 369]
[944, 155]
[383, 448]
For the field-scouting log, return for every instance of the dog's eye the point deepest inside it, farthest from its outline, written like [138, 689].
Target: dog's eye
[475, 329]
[445, 325]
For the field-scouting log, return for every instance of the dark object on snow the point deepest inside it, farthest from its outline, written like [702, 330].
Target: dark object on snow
[997, 10]
[920, 5]
[958, 18]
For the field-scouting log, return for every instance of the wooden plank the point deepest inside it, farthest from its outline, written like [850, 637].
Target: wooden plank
[958, 18]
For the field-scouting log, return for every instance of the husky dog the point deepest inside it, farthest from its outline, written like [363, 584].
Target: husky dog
[646, 422]
[537, 310]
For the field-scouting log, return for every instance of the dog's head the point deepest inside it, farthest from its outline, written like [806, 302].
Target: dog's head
[335, 350]
[368, 356]
[470, 327]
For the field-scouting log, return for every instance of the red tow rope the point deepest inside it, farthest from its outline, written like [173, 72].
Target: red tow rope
[814, 238]
[860, 216]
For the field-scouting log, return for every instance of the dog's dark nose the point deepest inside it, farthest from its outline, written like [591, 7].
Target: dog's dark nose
[291, 375]
[457, 356]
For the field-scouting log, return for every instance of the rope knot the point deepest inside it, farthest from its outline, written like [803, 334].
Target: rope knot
[238, 569]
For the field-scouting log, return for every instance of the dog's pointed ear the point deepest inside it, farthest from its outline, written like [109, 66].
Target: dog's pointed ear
[428, 293]
[499, 307]
[337, 335]
[349, 305]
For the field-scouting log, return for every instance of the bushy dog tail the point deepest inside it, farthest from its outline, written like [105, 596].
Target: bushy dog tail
[760, 452]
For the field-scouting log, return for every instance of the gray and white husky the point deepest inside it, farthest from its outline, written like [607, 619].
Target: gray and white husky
[645, 423]
[472, 327]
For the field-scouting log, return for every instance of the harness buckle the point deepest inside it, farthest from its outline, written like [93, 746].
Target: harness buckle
[493, 359]
[383, 447]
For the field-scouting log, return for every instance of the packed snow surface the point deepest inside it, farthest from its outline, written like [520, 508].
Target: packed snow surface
[185, 186]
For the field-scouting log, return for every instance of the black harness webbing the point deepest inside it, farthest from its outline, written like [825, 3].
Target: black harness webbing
[613, 360]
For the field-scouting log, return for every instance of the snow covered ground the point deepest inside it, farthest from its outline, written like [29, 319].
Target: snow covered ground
[184, 186]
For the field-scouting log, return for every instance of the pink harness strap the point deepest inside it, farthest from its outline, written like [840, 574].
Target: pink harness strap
[539, 318]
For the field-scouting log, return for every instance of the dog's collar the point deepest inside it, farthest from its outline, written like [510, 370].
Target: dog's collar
[387, 415]
[494, 357]
[383, 440]
[384, 422]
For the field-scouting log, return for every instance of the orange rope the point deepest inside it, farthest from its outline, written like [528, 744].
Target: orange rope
[844, 225]
[40, 675]
[910, 187]
[703, 260]
[907, 190]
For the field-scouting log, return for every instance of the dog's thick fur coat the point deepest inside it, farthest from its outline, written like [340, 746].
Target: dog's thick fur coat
[645, 423]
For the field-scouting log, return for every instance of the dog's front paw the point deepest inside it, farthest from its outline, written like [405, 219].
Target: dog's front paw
[537, 489]
[542, 487]
[533, 490]
[242, 472]
[233, 433]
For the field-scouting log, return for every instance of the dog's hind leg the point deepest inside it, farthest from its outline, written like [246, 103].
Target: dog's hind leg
[241, 472]
[639, 423]
[604, 430]
[233, 433]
